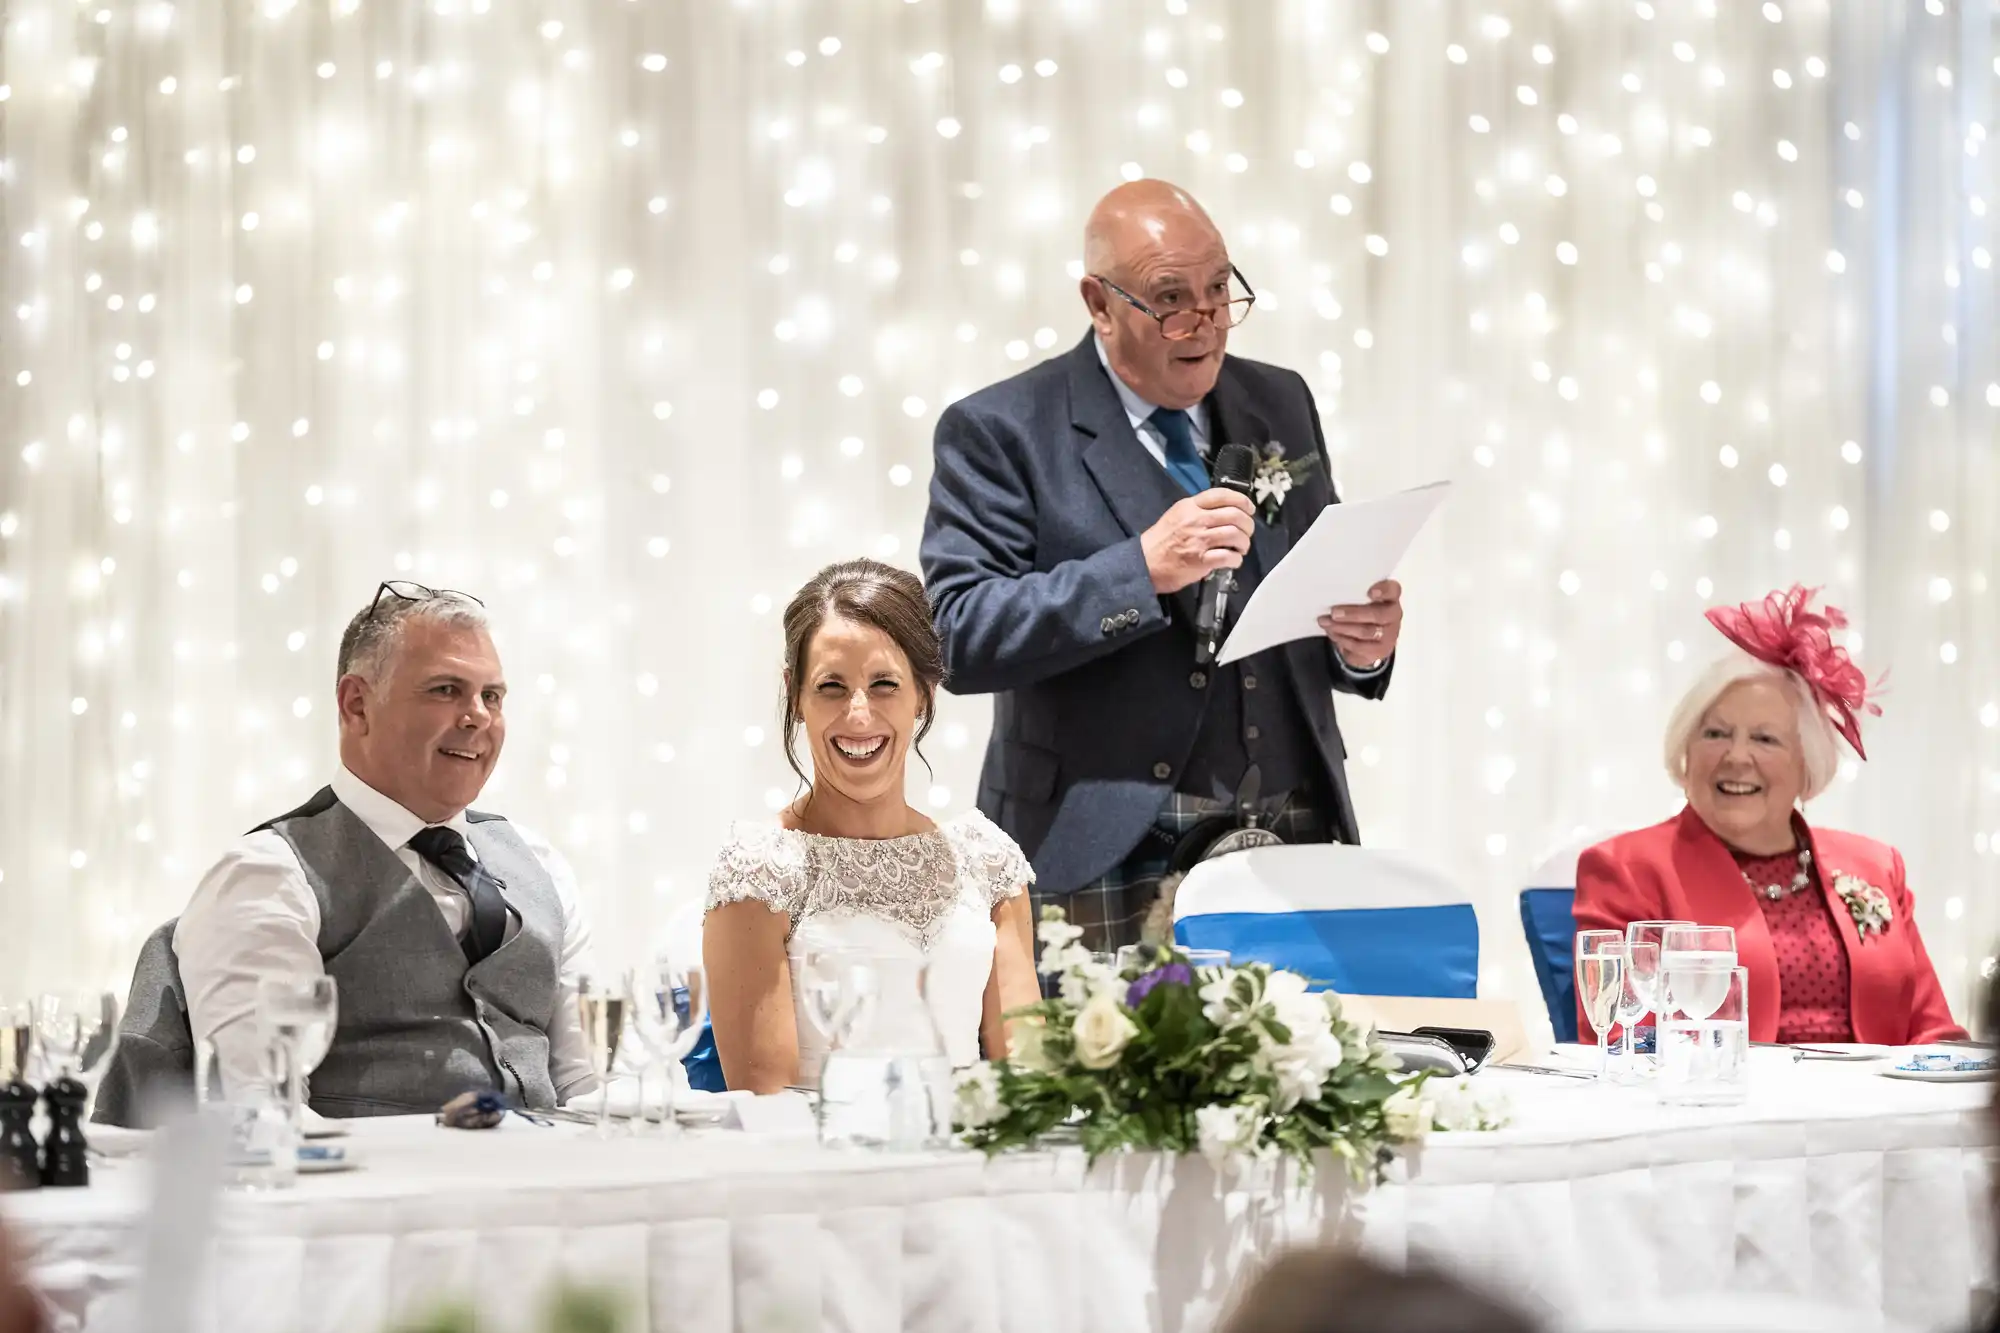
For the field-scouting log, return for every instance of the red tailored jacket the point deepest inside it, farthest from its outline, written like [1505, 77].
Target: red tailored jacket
[1680, 871]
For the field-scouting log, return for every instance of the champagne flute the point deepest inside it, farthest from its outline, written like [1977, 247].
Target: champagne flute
[602, 1004]
[1595, 941]
[1600, 977]
[17, 1044]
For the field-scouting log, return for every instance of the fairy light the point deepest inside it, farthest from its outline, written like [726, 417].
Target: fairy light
[565, 443]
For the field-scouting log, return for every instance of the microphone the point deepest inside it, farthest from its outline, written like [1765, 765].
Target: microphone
[1235, 466]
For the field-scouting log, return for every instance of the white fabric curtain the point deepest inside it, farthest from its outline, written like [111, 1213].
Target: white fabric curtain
[628, 316]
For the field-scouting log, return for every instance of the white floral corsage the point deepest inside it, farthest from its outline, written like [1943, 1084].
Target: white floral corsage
[1868, 905]
[1276, 475]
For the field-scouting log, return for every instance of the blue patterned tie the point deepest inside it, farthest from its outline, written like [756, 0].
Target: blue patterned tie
[1183, 460]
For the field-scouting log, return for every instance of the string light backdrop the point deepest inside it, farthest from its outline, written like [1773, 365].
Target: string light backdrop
[628, 316]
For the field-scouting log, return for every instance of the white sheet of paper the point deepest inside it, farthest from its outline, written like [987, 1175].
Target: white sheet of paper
[1348, 550]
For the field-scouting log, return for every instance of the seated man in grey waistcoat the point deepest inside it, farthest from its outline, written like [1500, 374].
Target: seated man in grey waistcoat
[455, 936]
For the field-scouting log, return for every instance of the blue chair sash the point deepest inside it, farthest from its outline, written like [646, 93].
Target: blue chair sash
[1432, 951]
[1548, 918]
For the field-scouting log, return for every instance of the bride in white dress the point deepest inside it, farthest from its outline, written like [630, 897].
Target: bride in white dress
[849, 864]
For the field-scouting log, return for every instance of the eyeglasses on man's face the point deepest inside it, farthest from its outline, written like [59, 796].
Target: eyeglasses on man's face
[1185, 321]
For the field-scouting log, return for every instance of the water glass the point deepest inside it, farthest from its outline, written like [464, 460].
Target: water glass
[1704, 1032]
[887, 1084]
[1642, 1037]
[264, 1134]
[17, 1041]
[1200, 958]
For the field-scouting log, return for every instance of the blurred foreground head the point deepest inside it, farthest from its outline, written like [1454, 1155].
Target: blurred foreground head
[1325, 1291]
[19, 1311]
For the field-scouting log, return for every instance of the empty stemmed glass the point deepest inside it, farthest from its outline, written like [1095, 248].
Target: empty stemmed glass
[670, 1007]
[1600, 978]
[298, 1015]
[1644, 1035]
[841, 989]
[601, 1004]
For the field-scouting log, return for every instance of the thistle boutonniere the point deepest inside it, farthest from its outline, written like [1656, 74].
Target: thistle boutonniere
[1276, 475]
[1868, 905]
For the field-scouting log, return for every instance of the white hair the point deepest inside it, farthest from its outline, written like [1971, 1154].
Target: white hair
[376, 632]
[1818, 742]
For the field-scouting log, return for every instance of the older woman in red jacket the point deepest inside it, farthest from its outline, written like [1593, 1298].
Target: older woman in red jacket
[1823, 919]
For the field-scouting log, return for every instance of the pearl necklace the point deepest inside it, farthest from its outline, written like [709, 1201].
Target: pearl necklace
[1776, 891]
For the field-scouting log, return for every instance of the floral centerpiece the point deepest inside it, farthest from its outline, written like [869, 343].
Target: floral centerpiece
[1235, 1062]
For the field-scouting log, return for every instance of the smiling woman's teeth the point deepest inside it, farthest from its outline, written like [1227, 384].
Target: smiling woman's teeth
[853, 751]
[1737, 788]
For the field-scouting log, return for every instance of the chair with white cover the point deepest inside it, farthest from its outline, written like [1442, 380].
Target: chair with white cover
[1352, 919]
[1548, 919]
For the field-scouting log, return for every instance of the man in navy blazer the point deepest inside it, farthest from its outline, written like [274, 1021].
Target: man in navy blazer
[1071, 524]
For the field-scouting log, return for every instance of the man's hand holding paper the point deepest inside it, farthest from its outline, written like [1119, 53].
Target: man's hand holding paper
[1337, 581]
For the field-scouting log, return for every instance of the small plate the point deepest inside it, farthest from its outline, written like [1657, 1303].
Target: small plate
[1941, 1075]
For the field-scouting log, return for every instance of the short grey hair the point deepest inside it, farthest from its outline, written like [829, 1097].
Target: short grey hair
[1818, 742]
[372, 637]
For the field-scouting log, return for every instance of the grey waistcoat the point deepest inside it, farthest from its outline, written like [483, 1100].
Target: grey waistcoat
[418, 1026]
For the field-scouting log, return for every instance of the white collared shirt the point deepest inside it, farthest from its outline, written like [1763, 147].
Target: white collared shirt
[1140, 413]
[254, 916]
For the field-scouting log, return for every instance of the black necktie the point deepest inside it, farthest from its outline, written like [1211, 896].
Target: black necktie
[445, 849]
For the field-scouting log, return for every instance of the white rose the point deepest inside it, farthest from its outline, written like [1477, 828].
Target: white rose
[1224, 1133]
[1407, 1115]
[1026, 1047]
[978, 1097]
[1102, 1031]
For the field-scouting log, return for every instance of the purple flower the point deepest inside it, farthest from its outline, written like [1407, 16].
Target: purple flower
[1177, 973]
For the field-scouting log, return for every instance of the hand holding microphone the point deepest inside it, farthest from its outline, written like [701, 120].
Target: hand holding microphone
[1199, 535]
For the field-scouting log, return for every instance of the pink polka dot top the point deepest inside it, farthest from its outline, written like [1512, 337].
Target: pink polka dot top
[1815, 988]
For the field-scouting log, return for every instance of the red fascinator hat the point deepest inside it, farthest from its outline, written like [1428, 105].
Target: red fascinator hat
[1785, 631]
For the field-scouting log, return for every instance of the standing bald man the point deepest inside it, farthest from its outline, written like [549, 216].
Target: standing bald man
[1072, 521]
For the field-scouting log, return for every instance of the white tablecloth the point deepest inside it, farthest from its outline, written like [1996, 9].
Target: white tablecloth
[1833, 1182]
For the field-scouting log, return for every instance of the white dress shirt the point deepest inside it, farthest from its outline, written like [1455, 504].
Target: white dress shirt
[254, 916]
[1140, 413]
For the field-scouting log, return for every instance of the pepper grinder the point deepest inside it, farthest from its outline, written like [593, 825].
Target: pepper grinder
[20, 1162]
[65, 1159]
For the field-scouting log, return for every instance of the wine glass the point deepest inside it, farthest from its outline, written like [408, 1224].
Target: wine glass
[601, 1005]
[1695, 966]
[671, 1005]
[1600, 977]
[1638, 995]
[298, 1015]
[842, 990]
[67, 1025]
[1645, 1034]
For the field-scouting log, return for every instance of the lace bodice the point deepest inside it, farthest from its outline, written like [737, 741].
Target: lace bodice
[914, 882]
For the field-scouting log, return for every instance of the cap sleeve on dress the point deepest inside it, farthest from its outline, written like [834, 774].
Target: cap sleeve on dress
[993, 861]
[763, 863]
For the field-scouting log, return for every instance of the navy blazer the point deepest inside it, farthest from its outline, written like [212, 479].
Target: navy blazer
[1039, 491]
